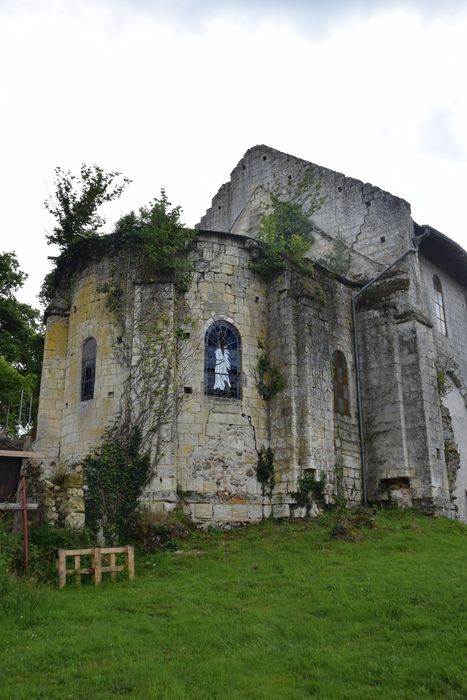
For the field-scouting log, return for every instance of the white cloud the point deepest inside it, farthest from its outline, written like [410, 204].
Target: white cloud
[179, 109]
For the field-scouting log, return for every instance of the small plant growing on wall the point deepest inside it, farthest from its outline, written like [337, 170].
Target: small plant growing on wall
[286, 231]
[309, 491]
[269, 378]
[338, 259]
[265, 470]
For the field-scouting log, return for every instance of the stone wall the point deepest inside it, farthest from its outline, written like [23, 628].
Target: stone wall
[305, 330]
[205, 450]
[371, 222]
[451, 362]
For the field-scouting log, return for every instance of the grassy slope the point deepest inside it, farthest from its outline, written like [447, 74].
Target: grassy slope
[272, 611]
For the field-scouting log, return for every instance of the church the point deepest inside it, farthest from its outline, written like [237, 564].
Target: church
[249, 386]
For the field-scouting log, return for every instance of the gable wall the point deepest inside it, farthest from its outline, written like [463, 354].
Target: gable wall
[360, 213]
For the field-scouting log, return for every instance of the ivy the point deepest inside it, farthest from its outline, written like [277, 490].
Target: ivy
[115, 475]
[269, 378]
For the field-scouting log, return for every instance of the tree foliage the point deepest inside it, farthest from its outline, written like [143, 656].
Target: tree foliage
[163, 238]
[21, 339]
[286, 230]
[77, 200]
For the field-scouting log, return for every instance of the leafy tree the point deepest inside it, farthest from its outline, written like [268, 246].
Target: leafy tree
[21, 339]
[77, 200]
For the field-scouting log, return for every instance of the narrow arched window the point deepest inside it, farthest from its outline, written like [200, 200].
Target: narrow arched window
[222, 360]
[88, 369]
[440, 312]
[340, 384]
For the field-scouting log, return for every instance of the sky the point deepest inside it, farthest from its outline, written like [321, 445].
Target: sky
[172, 93]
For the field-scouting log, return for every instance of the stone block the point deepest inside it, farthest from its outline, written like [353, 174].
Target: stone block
[255, 512]
[75, 521]
[203, 511]
[222, 511]
[240, 512]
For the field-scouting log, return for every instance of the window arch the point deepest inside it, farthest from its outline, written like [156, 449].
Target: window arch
[340, 384]
[88, 369]
[222, 349]
[440, 311]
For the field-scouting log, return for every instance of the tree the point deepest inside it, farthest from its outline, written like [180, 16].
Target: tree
[21, 340]
[77, 200]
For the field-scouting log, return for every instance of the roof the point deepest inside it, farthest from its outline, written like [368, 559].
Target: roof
[443, 252]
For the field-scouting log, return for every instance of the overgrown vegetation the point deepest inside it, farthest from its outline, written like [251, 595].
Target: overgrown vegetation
[279, 610]
[286, 231]
[310, 491]
[115, 473]
[155, 232]
[265, 470]
[338, 259]
[76, 202]
[442, 383]
[269, 378]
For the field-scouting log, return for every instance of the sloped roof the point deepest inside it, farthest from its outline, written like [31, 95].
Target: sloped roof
[443, 252]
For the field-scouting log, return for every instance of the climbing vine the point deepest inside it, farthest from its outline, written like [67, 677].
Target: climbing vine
[116, 473]
[269, 378]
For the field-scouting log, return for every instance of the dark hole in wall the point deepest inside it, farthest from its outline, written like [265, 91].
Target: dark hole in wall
[188, 389]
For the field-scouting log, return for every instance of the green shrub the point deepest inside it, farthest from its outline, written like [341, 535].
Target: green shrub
[115, 474]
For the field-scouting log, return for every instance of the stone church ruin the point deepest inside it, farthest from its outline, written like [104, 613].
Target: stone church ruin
[244, 385]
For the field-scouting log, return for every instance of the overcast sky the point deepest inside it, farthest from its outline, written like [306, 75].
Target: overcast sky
[172, 93]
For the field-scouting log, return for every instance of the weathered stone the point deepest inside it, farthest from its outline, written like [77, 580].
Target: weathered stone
[75, 521]
[208, 447]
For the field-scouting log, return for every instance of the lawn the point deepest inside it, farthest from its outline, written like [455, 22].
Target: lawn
[278, 610]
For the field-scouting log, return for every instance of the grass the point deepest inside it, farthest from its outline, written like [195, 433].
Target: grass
[278, 610]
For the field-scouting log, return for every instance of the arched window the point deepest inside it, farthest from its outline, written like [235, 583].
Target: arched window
[440, 313]
[340, 384]
[222, 361]
[88, 369]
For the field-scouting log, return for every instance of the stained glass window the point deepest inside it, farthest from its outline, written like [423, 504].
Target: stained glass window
[440, 314]
[222, 361]
[88, 369]
[340, 384]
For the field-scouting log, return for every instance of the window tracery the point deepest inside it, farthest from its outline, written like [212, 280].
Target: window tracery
[222, 360]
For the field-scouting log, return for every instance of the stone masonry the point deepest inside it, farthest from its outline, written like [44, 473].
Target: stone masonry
[206, 452]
